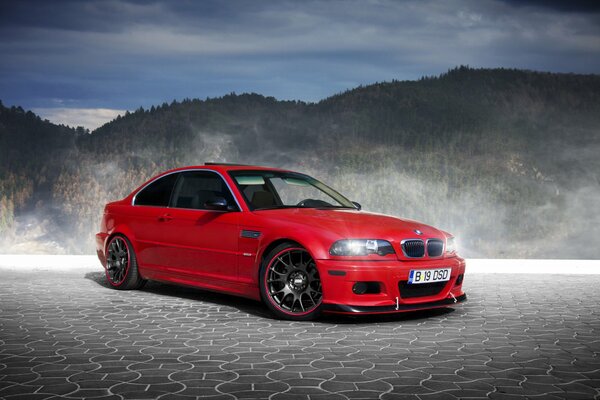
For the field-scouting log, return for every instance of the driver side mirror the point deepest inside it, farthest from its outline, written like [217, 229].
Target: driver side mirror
[217, 203]
[357, 205]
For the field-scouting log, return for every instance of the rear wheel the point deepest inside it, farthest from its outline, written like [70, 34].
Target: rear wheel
[290, 284]
[121, 264]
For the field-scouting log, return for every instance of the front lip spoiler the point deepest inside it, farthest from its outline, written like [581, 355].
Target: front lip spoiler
[343, 308]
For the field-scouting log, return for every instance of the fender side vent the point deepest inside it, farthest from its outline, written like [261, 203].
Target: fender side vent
[250, 234]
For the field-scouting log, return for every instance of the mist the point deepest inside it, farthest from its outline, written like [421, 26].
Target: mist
[561, 224]
[495, 157]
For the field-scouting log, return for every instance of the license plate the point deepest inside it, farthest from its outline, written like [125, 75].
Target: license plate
[429, 275]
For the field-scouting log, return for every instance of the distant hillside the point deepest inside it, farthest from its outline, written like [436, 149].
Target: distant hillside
[506, 159]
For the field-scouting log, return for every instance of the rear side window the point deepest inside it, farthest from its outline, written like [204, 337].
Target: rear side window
[158, 193]
[195, 188]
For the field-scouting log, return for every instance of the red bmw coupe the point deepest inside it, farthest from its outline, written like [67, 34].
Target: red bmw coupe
[277, 236]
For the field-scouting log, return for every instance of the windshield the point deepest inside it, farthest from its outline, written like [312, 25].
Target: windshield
[270, 189]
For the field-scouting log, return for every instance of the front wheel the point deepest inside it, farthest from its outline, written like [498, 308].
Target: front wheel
[121, 264]
[290, 284]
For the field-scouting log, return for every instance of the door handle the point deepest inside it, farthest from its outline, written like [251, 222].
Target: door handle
[165, 217]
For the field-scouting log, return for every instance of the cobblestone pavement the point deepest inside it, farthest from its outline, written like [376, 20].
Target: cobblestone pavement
[68, 335]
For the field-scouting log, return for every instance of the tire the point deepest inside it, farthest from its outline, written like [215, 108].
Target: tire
[121, 265]
[290, 285]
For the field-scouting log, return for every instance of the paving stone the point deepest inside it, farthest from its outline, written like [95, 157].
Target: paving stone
[59, 388]
[513, 339]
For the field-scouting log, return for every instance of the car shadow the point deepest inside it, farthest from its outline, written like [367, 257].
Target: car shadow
[258, 309]
[368, 319]
[249, 306]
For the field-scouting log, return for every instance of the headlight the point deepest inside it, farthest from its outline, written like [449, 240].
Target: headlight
[361, 247]
[450, 245]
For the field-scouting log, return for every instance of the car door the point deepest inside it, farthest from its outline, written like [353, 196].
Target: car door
[146, 218]
[202, 244]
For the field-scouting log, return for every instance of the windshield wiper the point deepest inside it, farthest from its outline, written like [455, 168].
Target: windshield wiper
[315, 207]
[274, 208]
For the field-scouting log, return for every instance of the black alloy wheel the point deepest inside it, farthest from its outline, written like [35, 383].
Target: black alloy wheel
[290, 283]
[121, 264]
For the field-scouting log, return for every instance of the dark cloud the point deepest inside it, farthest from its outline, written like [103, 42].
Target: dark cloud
[119, 15]
[122, 54]
[592, 6]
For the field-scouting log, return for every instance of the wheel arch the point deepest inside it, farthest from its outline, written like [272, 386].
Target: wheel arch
[269, 247]
[122, 230]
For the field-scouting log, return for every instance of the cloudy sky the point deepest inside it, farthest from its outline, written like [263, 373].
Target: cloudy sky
[83, 62]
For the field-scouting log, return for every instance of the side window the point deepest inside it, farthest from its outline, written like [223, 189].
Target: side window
[158, 193]
[194, 188]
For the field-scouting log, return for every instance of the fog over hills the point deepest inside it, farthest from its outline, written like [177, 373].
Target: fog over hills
[508, 160]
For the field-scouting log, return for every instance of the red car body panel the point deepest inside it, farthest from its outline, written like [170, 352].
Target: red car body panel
[206, 249]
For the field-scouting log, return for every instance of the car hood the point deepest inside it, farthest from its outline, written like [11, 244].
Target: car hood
[353, 224]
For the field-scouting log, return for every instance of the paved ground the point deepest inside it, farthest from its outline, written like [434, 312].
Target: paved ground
[68, 335]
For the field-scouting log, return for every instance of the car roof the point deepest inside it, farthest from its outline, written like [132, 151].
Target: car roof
[225, 167]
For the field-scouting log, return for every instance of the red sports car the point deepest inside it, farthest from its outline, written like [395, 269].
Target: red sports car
[277, 236]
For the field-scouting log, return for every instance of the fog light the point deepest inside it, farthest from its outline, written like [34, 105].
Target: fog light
[366, 288]
[459, 279]
[359, 288]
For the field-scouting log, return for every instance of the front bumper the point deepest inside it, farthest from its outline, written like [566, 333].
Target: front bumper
[339, 277]
[342, 308]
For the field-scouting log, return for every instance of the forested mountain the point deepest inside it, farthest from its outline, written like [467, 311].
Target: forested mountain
[508, 160]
